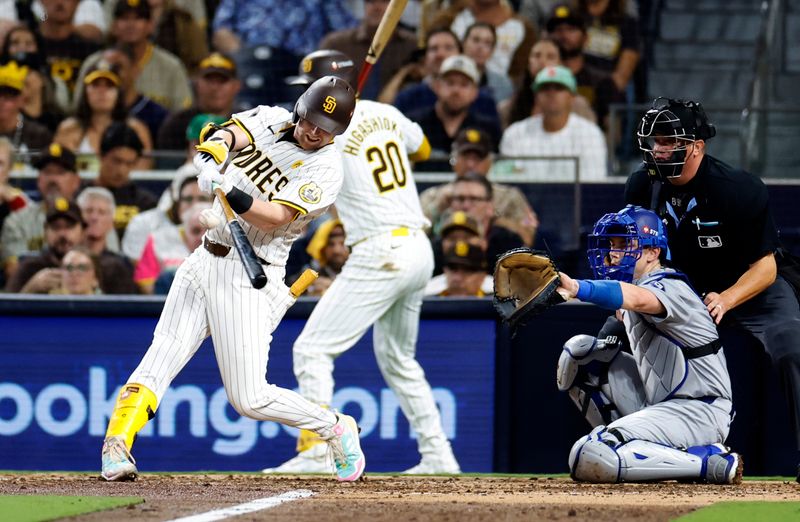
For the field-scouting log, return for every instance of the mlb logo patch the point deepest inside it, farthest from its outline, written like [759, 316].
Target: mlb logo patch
[709, 241]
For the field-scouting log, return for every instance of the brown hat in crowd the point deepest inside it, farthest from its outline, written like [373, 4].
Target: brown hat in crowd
[564, 14]
[465, 255]
[56, 154]
[217, 63]
[61, 207]
[472, 139]
[140, 8]
[453, 220]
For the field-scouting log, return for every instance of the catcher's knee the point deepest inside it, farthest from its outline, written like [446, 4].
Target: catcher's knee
[593, 458]
[588, 385]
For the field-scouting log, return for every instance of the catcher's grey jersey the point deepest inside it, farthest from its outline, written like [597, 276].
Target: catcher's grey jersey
[275, 168]
[656, 343]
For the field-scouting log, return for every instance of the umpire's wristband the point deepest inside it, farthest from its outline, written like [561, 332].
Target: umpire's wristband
[239, 201]
[606, 294]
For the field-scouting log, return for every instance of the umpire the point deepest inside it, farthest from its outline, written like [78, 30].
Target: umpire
[721, 234]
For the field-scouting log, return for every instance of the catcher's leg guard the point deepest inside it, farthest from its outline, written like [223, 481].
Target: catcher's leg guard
[135, 406]
[602, 456]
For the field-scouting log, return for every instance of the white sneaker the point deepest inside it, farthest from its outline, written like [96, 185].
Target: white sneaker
[444, 463]
[313, 460]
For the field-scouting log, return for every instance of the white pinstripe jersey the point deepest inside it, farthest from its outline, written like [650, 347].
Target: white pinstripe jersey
[274, 168]
[379, 193]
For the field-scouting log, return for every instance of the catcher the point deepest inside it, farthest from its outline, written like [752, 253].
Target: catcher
[662, 411]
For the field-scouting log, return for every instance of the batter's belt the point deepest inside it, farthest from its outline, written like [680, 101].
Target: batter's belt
[220, 250]
[397, 232]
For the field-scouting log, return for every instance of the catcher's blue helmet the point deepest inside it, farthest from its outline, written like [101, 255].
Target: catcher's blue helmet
[638, 228]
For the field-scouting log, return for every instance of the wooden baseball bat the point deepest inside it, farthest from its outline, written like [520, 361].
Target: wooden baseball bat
[381, 38]
[251, 262]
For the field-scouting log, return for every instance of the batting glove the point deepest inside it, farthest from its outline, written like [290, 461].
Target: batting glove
[212, 153]
[209, 177]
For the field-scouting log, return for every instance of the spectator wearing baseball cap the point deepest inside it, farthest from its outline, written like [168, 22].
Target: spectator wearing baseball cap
[456, 88]
[160, 75]
[328, 255]
[472, 153]
[31, 136]
[64, 229]
[556, 132]
[100, 103]
[23, 231]
[120, 150]
[464, 271]
[216, 85]
[567, 28]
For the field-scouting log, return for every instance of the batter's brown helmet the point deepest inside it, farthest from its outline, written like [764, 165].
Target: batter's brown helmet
[328, 103]
[325, 62]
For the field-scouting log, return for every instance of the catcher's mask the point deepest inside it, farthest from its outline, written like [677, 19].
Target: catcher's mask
[328, 103]
[672, 125]
[624, 234]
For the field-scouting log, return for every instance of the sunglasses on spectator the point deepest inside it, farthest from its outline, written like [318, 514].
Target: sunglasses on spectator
[470, 199]
[192, 199]
[81, 267]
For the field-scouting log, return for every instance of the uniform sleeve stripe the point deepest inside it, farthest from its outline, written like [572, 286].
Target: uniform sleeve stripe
[241, 126]
[290, 204]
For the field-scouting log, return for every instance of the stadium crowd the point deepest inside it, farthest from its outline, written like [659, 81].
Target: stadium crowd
[91, 91]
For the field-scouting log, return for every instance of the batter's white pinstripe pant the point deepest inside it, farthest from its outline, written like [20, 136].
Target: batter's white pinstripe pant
[212, 295]
[382, 285]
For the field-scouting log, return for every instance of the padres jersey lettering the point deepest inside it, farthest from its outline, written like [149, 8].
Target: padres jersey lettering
[277, 169]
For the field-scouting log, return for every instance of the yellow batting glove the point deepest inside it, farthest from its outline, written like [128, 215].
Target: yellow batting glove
[216, 148]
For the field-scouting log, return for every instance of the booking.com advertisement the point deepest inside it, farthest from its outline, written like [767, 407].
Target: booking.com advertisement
[59, 378]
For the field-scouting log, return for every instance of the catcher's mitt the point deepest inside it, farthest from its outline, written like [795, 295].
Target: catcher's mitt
[525, 283]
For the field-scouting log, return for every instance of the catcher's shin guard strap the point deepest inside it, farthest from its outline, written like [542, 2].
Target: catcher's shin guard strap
[135, 406]
[607, 294]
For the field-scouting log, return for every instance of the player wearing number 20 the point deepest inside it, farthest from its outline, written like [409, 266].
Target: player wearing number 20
[384, 278]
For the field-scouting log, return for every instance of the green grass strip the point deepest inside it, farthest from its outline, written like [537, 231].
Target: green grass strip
[35, 508]
[745, 512]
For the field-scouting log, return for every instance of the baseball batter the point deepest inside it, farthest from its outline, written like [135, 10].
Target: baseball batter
[663, 412]
[382, 282]
[285, 174]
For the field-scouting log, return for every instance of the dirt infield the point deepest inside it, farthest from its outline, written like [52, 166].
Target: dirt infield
[391, 498]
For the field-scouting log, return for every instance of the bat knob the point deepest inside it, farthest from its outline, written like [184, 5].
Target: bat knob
[259, 281]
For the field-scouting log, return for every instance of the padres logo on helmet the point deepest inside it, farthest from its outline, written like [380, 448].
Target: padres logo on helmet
[330, 104]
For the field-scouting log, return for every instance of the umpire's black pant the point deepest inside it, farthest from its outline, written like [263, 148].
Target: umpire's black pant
[773, 317]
